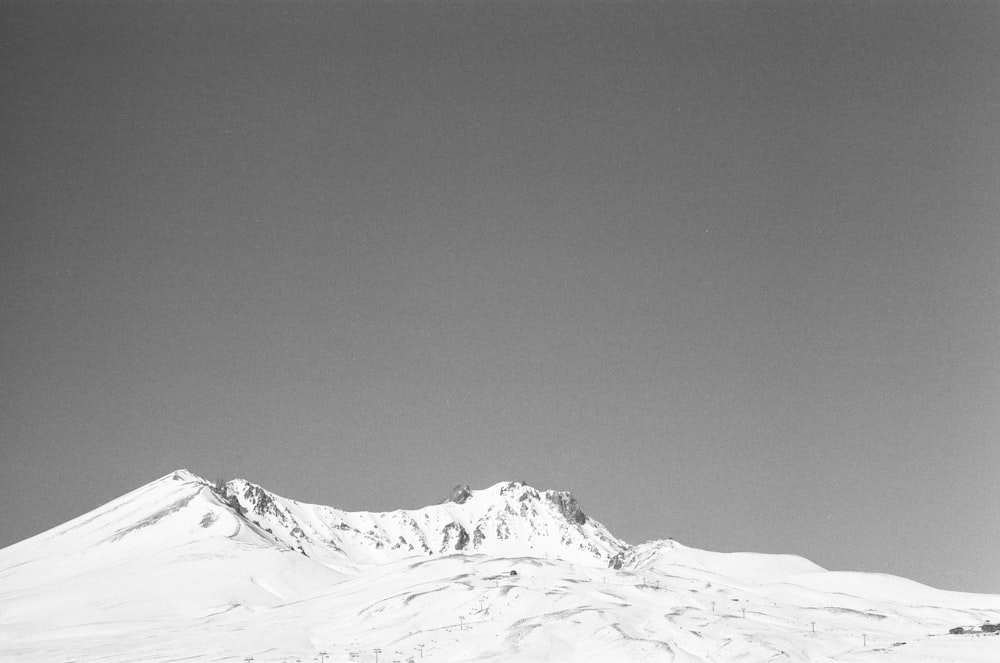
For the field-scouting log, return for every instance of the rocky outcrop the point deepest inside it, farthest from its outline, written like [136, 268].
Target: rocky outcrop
[223, 492]
[509, 519]
[455, 537]
[567, 506]
[617, 561]
[460, 494]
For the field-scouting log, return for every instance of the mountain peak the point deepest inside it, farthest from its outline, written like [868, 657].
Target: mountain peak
[506, 519]
[567, 505]
[562, 500]
[185, 568]
[181, 475]
[460, 494]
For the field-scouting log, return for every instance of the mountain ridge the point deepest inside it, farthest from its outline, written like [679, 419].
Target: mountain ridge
[508, 518]
[186, 569]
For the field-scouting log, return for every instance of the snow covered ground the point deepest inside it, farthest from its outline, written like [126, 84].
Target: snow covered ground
[180, 570]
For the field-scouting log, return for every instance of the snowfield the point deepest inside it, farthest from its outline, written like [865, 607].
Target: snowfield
[181, 570]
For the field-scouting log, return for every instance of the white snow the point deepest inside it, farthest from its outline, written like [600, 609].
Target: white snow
[172, 572]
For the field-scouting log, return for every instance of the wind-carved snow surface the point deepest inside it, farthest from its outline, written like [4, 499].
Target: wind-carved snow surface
[184, 570]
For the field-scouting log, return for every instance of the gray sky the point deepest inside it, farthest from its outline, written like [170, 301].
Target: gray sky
[727, 271]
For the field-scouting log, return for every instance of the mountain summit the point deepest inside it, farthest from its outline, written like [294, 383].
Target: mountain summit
[184, 569]
[508, 519]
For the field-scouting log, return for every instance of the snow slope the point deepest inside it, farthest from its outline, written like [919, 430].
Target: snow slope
[181, 570]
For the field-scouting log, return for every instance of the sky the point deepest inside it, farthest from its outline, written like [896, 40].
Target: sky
[727, 271]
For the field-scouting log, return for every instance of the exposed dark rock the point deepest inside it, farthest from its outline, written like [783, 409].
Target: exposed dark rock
[529, 494]
[460, 494]
[263, 503]
[225, 493]
[401, 543]
[617, 561]
[511, 487]
[478, 536]
[567, 506]
[455, 537]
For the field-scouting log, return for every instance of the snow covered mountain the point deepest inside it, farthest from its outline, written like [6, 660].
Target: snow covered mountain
[183, 569]
[505, 520]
